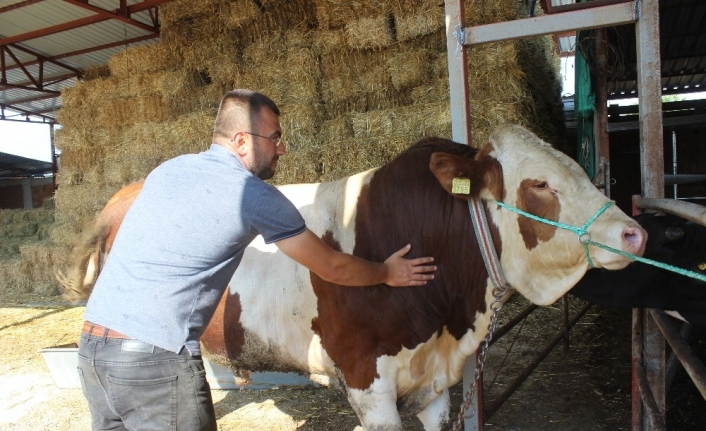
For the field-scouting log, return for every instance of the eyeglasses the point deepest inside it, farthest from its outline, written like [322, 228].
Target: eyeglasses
[277, 139]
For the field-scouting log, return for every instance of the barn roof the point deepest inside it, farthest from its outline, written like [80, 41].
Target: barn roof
[46, 45]
[12, 166]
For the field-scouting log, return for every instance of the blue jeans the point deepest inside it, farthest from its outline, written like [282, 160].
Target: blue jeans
[131, 385]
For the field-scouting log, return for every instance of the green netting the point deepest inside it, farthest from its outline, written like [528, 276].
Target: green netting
[584, 105]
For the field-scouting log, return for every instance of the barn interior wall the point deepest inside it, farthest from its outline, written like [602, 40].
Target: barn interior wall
[17, 194]
[357, 82]
[625, 163]
[11, 196]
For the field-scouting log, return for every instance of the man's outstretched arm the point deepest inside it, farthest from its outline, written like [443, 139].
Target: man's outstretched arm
[348, 270]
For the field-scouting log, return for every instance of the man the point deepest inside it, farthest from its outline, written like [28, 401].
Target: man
[176, 250]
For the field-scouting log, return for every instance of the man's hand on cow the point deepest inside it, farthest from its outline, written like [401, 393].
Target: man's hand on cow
[408, 272]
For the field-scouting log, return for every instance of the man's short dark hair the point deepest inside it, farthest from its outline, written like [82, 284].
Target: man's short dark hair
[240, 110]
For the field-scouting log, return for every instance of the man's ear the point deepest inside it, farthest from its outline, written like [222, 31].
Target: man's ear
[240, 144]
[465, 178]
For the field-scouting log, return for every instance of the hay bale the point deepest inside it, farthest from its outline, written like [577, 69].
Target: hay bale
[13, 281]
[241, 12]
[128, 110]
[540, 62]
[416, 121]
[81, 159]
[96, 72]
[138, 84]
[300, 123]
[357, 81]
[288, 76]
[335, 129]
[338, 159]
[76, 206]
[178, 11]
[434, 92]
[142, 59]
[19, 228]
[336, 14]
[278, 16]
[79, 104]
[37, 262]
[496, 88]
[9, 247]
[480, 12]
[177, 88]
[410, 68]
[213, 52]
[327, 41]
[299, 166]
[418, 19]
[145, 146]
[370, 33]
[351, 156]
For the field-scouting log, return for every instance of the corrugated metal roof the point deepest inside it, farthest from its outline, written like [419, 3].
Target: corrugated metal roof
[12, 166]
[682, 51]
[45, 45]
[682, 48]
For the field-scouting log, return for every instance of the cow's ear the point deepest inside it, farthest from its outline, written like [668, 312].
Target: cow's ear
[458, 175]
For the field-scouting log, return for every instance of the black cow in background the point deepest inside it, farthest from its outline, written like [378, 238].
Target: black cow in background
[672, 240]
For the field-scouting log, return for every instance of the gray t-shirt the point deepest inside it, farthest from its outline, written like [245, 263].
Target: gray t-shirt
[179, 245]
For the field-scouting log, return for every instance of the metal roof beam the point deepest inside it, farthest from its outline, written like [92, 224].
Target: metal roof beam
[31, 99]
[70, 25]
[25, 113]
[86, 51]
[579, 6]
[17, 61]
[20, 87]
[49, 80]
[43, 58]
[597, 17]
[18, 5]
[98, 17]
[45, 110]
[121, 14]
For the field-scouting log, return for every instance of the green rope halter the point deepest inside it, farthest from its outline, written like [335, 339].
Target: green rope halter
[585, 239]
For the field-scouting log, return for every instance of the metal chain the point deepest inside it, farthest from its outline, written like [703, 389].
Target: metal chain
[495, 306]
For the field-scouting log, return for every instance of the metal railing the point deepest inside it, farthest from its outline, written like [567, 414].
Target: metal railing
[653, 414]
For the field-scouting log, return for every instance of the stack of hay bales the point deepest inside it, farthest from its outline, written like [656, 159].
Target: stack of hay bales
[357, 82]
[27, 256]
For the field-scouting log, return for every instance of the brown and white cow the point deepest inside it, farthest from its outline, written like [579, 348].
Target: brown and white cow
[398, 350]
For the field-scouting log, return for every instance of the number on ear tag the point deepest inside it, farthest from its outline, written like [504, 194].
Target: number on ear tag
[461, 186]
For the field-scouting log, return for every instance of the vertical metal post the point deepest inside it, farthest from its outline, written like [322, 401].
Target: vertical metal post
[27, 193]
[461, 132]
[637, 324]
[649, 92]
[458, 73]
[54, 164]
[603, 147]
[652, 166]
[674, 162]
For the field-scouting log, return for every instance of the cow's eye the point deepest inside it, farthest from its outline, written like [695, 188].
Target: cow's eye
[542, 185]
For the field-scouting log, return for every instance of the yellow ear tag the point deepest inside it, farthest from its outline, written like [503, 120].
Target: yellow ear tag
[702, 266]
[461, 186]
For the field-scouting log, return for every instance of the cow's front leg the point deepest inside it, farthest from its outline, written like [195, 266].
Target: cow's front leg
[436, 414]
[376, 407]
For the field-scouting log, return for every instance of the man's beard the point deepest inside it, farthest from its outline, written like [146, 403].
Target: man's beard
[263, 167]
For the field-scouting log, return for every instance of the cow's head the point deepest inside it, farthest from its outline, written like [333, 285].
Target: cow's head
[519, 169]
